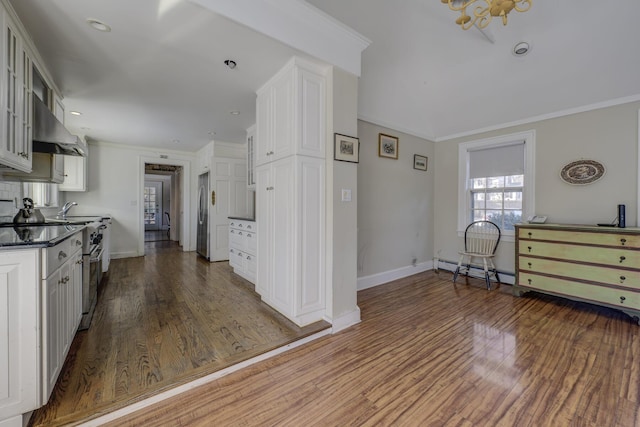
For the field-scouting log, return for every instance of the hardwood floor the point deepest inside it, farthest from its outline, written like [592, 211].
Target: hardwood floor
[162, 320]
[430, 353]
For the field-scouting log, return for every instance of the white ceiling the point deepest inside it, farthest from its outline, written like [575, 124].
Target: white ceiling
[159, 75]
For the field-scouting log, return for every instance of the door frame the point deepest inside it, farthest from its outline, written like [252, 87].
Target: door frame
[185, 220]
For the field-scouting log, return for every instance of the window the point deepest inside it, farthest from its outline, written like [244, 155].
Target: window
[496, 181]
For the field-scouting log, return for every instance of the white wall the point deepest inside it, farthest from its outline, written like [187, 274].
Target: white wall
[395, 208]
[608, 135]
[114, 188]
[342, 217]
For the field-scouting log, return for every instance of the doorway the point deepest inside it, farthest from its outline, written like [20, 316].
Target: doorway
[161, 188]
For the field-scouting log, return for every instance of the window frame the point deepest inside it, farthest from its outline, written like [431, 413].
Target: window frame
[464, 187]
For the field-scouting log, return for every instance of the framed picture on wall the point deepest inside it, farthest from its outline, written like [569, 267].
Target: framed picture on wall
[420, 162]
[387, 146]
[347, 148]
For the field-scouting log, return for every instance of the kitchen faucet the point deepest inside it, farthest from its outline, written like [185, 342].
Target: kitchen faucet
[63, 212]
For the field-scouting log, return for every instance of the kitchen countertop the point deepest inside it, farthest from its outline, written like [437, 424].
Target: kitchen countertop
[243, 218]
[35, 236]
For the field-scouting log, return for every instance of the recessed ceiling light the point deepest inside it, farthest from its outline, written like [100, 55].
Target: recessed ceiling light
[176, 141]
[234, 113]
[230, 63]
[521, 49]
[98, 25]
[75, 113]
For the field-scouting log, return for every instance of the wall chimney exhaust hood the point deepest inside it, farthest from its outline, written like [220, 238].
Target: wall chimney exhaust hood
[50, 136]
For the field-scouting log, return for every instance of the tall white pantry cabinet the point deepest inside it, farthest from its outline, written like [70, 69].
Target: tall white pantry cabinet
[290, 191]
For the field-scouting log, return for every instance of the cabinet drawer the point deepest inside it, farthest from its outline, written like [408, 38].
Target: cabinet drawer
[606, 275]
[616, 297]
[54, 256]
[607, 239]
[607, 256]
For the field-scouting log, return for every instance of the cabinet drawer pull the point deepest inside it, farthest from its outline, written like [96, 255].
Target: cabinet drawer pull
[622, 299]
[623, 241]
[78, 243]
[529, 264]
[231, 232]
[622, 258]
[529, 247]
[530, 234]
[61, 255]
[622, 279]
[249, 227]
[240, 233]
[231, 251]
[529, 281]
[249, 257]
[249, 235]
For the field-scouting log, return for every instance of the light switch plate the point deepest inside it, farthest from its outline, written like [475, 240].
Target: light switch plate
[346, 195]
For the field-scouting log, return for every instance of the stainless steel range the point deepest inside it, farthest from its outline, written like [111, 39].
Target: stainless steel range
[92, 268]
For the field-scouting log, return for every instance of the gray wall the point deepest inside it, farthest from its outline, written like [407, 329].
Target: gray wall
[608, 135]
[395, 203]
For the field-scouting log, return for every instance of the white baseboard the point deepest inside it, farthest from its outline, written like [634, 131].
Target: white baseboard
[388, 276]
[345, 320]
[505, 277]
[128, 254]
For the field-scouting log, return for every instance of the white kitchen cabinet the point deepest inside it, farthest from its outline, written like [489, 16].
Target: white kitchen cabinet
[16, 102]
[243, 248]
[20, 336]
[290, 112]
[291, 245]
[251, 158]
[75, 173]
[62, 308]
[46, 167]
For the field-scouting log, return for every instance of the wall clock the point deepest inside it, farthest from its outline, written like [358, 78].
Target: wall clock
[582, 172]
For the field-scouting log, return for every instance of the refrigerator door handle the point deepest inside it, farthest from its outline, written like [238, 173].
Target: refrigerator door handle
[200, 204]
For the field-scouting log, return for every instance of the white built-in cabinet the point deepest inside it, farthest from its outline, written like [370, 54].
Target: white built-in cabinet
[16, 86]
[20, 336]
[75, 173]
[251, 158]
[243, 246]
[62, 306]
[290, 191]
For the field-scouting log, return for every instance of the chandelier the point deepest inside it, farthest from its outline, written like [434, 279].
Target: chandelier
[483, 13]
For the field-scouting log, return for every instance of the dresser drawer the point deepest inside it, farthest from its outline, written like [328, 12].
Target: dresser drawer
[606, 239]
[587, 254]
[607, 275]
[615, 297]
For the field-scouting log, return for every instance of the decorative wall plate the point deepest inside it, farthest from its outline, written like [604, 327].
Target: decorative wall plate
[582, 172]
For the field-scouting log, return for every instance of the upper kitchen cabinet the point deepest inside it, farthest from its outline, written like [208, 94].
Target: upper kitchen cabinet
[16, 87]
[75, 167]
[291, 113]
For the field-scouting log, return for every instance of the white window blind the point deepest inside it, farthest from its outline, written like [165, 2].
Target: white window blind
[504, 160]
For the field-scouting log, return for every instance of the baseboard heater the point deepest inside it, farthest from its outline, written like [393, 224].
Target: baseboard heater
[475, 270]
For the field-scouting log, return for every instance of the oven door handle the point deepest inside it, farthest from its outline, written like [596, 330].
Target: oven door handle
[98, 257]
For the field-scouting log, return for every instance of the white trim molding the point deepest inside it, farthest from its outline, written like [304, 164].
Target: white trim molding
[388, 276]
[345, 320]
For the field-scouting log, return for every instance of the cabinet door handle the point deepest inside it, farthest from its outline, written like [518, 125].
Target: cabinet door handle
[79, 261]
[249, 227]
[622, 279]
[623, 241]
[78, 243]
[240, 233]
[622, 299]
[231, 251]
[622, 258]
[231, 232]
[249, 235]
[61, 255]
[249, 257]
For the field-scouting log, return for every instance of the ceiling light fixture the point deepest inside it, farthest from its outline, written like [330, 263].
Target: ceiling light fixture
[230, 63]
[98, 25]
[482, 15]
[75, 113]
[521, 49]
[234, 113]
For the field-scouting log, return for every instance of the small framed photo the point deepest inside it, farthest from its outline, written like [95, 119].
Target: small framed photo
[347, 148]
[387, 146]
[420, 162]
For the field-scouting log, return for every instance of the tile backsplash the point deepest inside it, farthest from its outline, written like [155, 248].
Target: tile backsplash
[9, 192]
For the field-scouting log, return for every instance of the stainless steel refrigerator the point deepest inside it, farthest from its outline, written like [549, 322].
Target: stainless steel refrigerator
[202, 239]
